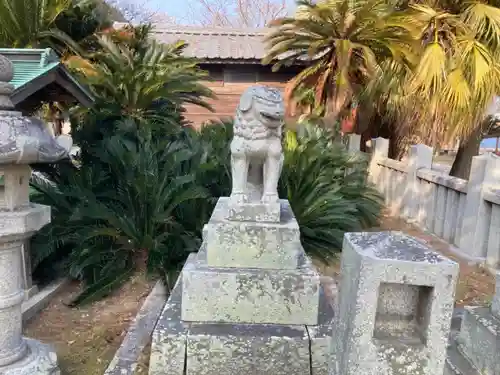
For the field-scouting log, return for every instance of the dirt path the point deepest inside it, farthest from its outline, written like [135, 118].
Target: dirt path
[476, 285]
[87, 338]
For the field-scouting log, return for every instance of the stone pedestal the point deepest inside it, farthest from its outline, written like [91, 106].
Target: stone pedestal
[394, 309]
[257, 212]
[253, 244]
[19, 219]
[262, 312]
[249, 295]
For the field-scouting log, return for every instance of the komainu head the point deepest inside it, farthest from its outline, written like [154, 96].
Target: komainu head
[261, 104]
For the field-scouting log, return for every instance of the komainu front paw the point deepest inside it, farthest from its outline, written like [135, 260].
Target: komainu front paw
[270, 198]
[238, 198]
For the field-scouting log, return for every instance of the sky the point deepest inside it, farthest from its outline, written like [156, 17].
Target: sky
[174, 8]
[179, 9]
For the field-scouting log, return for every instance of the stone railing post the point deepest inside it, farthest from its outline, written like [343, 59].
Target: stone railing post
[394, 308]
[485, 171]
[23, 141]
[353, 147]
[380, 151]
[420, 156]
[354, 142]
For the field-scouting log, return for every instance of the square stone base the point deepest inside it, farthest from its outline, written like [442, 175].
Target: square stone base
[259, 212]
[249, 295]
[40, 360]
[188, 348]
[250, 244]
[226, 349]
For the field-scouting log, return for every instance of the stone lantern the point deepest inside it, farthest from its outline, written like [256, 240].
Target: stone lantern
[23, 141]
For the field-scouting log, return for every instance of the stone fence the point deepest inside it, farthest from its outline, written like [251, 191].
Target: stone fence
[465, 213]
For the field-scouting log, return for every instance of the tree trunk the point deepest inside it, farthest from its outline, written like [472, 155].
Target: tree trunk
[467, 149]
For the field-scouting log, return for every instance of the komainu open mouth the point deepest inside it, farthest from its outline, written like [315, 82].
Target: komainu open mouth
[270, 117]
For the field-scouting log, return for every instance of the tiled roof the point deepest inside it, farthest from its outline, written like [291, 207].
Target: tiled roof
[220, 44]
[216, 43]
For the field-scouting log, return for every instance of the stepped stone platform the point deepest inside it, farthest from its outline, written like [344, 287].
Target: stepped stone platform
[235, 314]
[202, 348]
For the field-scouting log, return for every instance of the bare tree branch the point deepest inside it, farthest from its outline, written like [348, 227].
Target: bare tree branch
[140, 11]
[236, 13]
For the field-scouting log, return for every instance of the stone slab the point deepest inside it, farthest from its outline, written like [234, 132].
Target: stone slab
[456, 363]
[168, 343]
[139, 333]
[394, 308]
[259, 212]
[40, 360]
[321, 334]
[227, 349]
[248, 244]
[39, 301]
[495, 304]
[479, 339]
[249, 295]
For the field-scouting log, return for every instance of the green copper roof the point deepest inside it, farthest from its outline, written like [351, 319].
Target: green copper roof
[31, 64]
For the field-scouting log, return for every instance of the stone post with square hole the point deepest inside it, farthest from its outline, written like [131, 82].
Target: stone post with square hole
[394, 309]
[22, 141]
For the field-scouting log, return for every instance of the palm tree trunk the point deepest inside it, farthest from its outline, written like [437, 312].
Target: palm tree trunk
[467, 149]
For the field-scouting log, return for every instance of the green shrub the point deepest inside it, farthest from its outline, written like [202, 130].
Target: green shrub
[327, 189]
[120, 215]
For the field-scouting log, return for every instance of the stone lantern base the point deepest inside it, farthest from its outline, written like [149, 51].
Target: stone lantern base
[41, 359]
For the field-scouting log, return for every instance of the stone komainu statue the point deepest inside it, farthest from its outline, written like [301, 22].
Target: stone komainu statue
[256, 152]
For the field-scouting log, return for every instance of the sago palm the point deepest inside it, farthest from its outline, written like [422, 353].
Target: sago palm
[32, 23]
[125, 219]
[343, 41]
[327, 189]
[146, 79]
